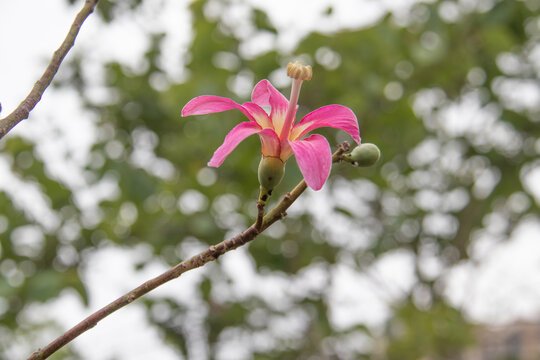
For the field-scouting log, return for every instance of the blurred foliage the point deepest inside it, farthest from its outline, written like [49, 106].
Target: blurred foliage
[414, 333]
[435, 188]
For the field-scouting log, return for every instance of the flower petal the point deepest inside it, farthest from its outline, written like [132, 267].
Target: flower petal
[233, 138]
[258, 113]
[270, 143]
[265, 94]
[208, 104]
[314, 159]
[336, 116]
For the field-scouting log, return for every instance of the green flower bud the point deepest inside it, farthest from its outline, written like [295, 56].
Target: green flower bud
[271, 170]
[365, 154]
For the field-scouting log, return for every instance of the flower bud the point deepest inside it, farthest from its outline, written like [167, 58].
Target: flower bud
[271, 170]
[366, 154]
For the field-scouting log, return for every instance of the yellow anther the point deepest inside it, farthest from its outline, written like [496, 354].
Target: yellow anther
[298, 71]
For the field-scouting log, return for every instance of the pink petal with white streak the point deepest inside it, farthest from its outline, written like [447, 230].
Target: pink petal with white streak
[208, 104]
[336, 116]
[264, 94]
[258, 113]
[314, 159]
[270, 143]
[233, 138]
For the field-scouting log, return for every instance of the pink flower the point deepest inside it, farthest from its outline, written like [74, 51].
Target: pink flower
[280, 136]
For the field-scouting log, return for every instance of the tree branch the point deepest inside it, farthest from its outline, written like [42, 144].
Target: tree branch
[23, 110]
[210, 254]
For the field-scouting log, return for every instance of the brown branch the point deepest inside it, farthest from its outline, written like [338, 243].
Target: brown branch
[260, 217]
[210, 254]
[23, 110]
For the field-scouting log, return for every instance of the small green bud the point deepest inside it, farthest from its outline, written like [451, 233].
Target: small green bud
[271, 170]
[365, 154]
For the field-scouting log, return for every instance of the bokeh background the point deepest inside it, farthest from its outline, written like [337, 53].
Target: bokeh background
[106, 185]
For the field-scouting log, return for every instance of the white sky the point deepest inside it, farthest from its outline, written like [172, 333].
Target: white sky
[495, 289]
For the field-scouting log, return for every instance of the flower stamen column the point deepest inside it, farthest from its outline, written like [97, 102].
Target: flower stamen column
[298, 73]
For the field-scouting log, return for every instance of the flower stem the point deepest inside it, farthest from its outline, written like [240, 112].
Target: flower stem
[260, 216]
[264, 195]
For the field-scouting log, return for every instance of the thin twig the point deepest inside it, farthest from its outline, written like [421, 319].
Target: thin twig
[210, 254]
[23, 110]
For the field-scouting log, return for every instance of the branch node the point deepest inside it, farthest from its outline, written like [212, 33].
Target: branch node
[214, 252]
[345, 146]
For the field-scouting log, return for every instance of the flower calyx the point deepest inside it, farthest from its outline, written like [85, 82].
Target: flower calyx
[271, 171]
